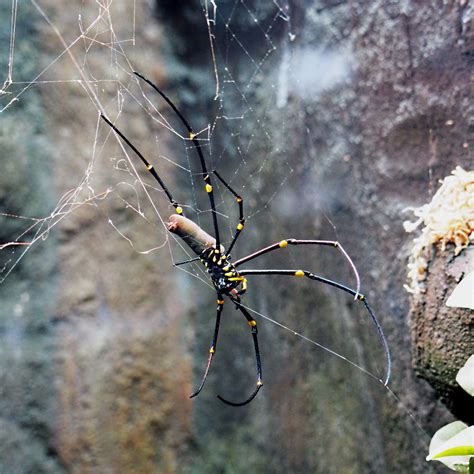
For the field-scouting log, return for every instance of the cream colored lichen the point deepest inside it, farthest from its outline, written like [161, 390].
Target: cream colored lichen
[448, 218]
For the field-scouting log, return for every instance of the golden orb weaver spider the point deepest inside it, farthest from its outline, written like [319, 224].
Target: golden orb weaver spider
[228, 281]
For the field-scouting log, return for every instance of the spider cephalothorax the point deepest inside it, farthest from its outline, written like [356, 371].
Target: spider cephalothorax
[224, 274]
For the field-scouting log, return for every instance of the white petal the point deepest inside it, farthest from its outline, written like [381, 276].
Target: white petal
[463, 295]
[465, 376]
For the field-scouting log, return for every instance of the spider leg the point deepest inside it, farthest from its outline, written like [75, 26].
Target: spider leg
[253, 325]
[240, 202]
[197, 146]
[177, 264]
[149, 167]
[356, 294]
[212, 349]
[284, 243]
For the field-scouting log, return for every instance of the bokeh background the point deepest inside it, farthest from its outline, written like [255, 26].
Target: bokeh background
[330, 118]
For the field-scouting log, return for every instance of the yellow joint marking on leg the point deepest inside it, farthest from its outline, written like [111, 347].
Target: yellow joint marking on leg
[252, 323]
[361, 297]
[220, 301]
[299, 273]
[283, 244]
[229, 274]
[208, 188]
[149, 167]
[212, 350]
[179, 210]
[239, 199]
[240, 278]
[259, 383]
[192, 135]
[226, 269]
[240, 226]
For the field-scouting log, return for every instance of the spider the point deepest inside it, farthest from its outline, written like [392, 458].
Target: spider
[227, 278]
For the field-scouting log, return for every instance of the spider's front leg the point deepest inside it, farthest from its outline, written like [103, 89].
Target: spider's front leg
[240, 201]
[284, 244]
[149, 167]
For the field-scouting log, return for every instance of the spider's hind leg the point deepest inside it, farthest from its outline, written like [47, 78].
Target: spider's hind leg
[253, 326]
[212, 349]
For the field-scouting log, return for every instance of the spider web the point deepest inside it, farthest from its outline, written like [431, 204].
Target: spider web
[99, 37]
[91, 59]
[88, 64]
[115, 91]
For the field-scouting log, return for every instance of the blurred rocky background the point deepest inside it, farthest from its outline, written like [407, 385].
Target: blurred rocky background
[352, 112]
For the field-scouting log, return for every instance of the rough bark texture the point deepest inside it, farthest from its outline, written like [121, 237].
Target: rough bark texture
[442, 336]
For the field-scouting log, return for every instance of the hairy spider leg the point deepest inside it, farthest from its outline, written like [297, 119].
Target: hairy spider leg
[213, 348]
[253, 327]
[240, 202]
[284, 243]
[356, 294]
[149, 167]
[197, 146]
